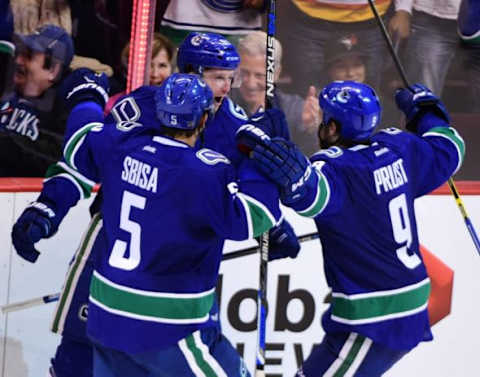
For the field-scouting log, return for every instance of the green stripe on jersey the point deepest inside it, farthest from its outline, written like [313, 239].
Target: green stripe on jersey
[176, 308]
[199, 359]
[260, 217]
[321, 199]
[61, 169]
[352, 354]
[451, 134]
[378, 306]
[75, 270]
[75, 141]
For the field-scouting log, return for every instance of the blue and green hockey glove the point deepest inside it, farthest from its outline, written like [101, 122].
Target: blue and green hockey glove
[36, 222]
[83, 85]
[283, 242]
[422, 108]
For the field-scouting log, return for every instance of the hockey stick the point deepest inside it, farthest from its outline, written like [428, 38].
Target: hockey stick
[254, 249]
[264, 241]
[30, 303]
[401, 71]
[55, 296]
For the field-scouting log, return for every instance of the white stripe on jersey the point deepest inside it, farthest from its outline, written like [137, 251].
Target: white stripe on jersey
[344, 353]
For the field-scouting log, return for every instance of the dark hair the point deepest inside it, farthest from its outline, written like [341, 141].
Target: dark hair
[175, 132]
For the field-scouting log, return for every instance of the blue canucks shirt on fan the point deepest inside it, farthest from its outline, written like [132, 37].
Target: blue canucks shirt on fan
[380, 287]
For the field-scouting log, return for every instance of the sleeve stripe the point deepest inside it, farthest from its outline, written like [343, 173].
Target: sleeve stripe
[72, 180]
[247, 214]
[84, 181]
[452, 135]
[75, 141]
[261, 217]
[321, 199]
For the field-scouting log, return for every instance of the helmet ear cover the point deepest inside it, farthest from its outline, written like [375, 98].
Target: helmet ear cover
[354, 106]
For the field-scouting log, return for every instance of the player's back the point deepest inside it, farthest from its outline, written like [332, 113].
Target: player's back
[159, 266]
[371, 214]
[154, 190]
[369, 241]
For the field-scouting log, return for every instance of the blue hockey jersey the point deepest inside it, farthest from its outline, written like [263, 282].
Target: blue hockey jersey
[364, 211]
[220, 130]
[167, 210]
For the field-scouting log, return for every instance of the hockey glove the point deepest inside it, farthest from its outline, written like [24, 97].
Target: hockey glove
[84, 85]
[280, 160]
[272, 122]
[286, 165]
[248, 137]
[35, 223]
[283, 243]
[422, 108]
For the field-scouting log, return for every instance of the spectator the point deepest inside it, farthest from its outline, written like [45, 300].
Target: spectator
[7, 48]
[236, 18]
[469, 31]
[303, 115]
[29, 15]
[162, 62]
[34, 124]
[346, 60]
[433, 41]
[314, 23]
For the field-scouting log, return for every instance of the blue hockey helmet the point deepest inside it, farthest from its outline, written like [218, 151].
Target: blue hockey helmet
[206, 50]
[355, 106]
[182, 100]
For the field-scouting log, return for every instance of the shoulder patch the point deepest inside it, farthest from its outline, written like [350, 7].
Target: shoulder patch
[210, 157]
[332, 152]
[236, 110]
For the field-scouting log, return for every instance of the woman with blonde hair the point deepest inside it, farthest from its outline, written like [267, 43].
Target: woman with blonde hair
[161, 64]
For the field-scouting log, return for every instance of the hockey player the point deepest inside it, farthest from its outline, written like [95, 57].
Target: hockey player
[74, 351]
[360, 189]
[215, 59]
[166, 212]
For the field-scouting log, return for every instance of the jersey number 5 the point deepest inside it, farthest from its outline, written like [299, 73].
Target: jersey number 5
[402, 231]
[117, 257]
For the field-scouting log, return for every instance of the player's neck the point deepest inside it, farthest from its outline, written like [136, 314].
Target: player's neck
[190, 140]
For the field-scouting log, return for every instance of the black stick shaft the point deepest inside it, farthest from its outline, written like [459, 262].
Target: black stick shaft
[450, 181]
[387, 38]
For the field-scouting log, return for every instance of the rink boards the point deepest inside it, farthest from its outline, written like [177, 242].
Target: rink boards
[296, 289]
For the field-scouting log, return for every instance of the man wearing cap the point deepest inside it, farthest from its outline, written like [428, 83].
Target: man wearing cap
[32, 119]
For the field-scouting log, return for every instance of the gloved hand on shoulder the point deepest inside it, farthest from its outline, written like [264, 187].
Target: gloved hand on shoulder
[36, 222]
[283, 243]
[83, 85]
[281, 161]
[422, 108]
